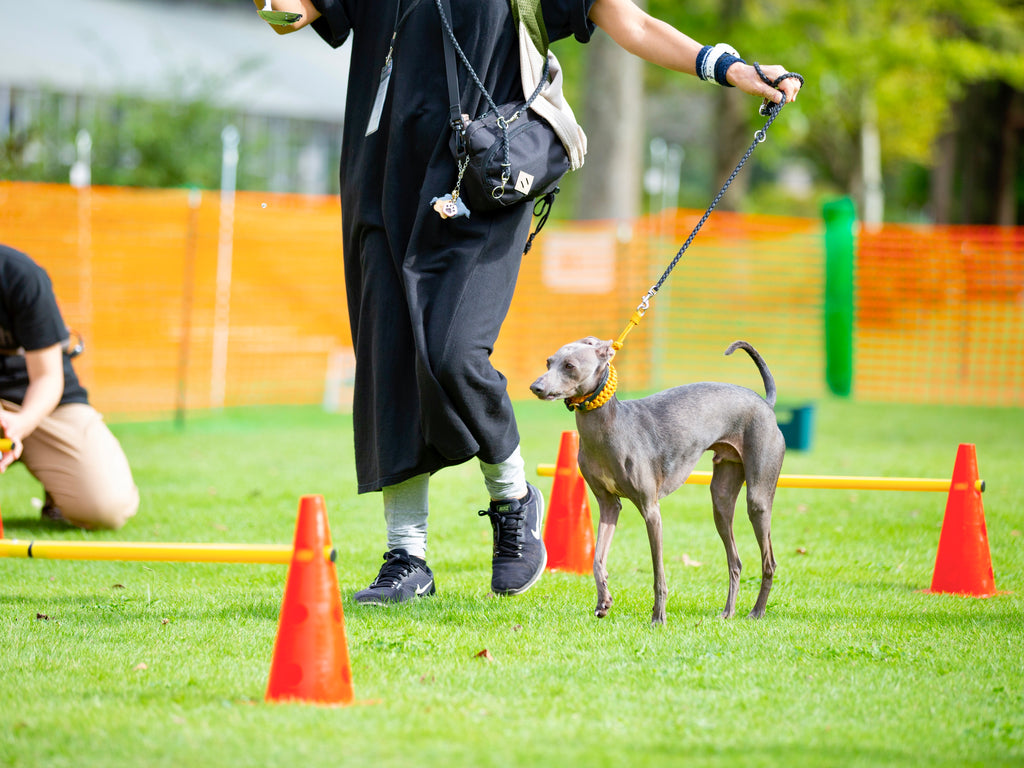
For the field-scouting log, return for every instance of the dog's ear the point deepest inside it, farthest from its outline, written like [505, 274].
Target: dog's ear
[604, 349]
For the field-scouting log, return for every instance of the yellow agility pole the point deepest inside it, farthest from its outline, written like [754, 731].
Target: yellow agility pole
[273, 554]
[834, 482]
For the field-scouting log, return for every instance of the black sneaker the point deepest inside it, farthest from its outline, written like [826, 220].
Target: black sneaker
[402, 577]
[519, 554]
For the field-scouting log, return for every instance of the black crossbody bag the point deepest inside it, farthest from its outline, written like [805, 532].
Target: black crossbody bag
[509, 154]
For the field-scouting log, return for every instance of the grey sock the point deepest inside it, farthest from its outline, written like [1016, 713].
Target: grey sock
[405, 514]
[506, 480]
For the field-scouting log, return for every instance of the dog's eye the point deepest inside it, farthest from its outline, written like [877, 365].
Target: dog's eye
[568, 366]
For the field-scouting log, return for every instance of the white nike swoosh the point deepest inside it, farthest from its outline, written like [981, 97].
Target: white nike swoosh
[424, 588]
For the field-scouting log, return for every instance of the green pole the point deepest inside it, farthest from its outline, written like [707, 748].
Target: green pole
[839, 258]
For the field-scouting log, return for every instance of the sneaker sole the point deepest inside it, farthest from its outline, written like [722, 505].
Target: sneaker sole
[384, 602]
[531, 582]
[389, 603]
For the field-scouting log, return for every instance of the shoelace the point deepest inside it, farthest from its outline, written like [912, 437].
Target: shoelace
[508, 532]
[395, 569]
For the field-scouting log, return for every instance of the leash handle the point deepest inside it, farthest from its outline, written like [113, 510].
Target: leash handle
[769, 109]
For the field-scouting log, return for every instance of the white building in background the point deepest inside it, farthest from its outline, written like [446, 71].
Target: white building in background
[290, 88]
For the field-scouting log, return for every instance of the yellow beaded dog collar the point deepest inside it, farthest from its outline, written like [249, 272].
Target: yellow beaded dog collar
[599, 396]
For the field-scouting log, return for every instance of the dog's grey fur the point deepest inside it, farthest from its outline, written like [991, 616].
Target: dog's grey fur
[643, 450]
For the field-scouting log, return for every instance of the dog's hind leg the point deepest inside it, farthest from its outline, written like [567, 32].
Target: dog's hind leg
[610, 507]
[760, 497]
[726, 481]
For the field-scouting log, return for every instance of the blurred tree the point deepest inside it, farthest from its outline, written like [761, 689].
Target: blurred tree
[167, 143]
[879, 73]
[926, 95]
[608, 185]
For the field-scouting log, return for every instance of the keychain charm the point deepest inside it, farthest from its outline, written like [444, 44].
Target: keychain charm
[450, 206]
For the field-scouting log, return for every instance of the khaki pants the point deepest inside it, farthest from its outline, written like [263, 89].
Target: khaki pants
[81, 466]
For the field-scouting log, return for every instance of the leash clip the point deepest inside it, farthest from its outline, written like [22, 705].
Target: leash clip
[645, 303]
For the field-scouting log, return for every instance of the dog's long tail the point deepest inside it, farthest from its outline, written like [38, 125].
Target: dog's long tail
[762, 366]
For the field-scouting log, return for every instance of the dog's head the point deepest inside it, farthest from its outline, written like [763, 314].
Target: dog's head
[575, 370]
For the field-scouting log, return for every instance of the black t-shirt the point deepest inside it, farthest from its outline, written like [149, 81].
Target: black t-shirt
[29, 320]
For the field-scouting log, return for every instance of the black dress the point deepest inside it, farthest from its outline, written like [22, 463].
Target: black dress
[426, 296]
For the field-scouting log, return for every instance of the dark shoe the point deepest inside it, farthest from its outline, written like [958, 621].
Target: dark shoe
[402, 577]
[51, 511]
[519, 554]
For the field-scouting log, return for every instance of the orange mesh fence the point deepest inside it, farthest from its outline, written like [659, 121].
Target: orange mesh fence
[756, 278]
[183, 306]
[136, 273]
[940, 315]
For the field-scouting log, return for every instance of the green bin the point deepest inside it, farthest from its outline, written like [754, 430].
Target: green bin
[797, 425]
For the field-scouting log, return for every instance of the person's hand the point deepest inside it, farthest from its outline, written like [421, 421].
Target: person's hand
[305, 8]
[745, 77]
[12, 429]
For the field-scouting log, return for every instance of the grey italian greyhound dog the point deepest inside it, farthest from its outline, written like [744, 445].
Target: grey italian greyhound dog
[644, 449]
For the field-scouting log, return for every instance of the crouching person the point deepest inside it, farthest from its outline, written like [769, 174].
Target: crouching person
[45, 412]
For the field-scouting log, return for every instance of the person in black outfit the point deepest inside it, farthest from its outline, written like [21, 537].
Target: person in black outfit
[427, 296]
[45, 411]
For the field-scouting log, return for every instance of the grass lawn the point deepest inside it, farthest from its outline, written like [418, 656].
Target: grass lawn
[160, 664]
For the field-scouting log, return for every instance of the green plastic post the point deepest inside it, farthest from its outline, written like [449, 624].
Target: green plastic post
[839, 218]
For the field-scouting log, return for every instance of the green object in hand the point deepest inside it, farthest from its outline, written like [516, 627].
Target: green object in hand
[280, 18]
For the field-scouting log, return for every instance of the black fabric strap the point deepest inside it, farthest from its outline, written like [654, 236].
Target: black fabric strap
[454, 108]
[450, 49]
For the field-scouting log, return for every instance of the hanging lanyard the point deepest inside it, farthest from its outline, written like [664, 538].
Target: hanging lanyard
[385, 73]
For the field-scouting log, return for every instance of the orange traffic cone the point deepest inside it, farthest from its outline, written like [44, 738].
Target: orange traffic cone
[963, 565]
[310, 660]
[568, 530]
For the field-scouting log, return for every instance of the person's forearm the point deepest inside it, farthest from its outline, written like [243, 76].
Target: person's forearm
[45, 369]
[660, 43]
[645, 36]
[41, 397]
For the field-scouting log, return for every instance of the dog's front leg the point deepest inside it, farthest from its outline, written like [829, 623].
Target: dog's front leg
[651, 512]
[610, 507]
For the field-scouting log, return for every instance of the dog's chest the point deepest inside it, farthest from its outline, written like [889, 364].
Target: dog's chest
[617, 475]
[600, 480]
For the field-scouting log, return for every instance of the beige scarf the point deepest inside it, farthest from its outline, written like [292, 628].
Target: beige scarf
[550, 104]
